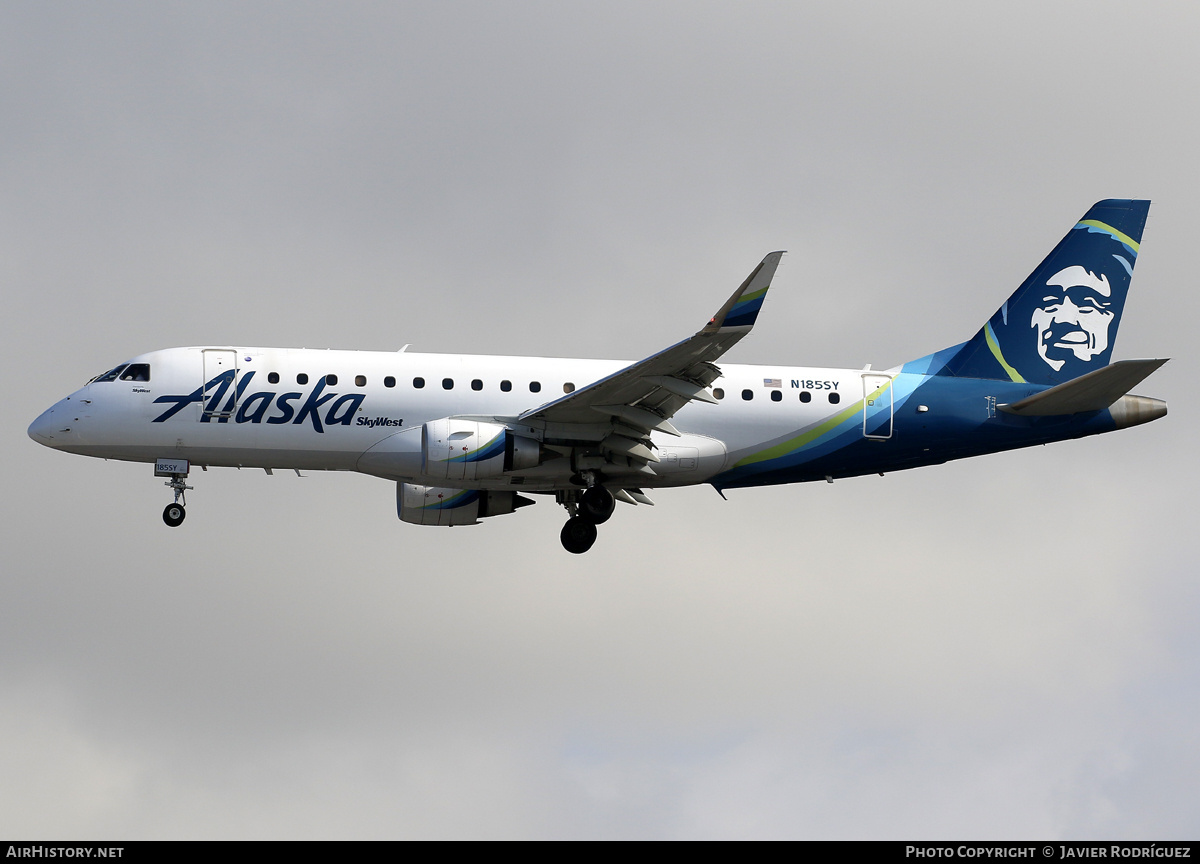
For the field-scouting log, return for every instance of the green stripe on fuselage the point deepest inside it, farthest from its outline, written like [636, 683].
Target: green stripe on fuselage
[793, 444]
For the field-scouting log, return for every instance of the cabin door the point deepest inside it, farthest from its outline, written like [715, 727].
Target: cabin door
[877, 406]
[219, 399]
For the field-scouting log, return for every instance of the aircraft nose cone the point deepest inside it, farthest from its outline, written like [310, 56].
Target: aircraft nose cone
[42, 429]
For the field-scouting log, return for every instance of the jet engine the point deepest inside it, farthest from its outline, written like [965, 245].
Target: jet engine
[438, 505]
[471, 449]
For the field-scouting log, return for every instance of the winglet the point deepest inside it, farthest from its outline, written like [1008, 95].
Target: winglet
[741, 310]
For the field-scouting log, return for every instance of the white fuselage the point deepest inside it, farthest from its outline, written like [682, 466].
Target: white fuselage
[281, 409]
[463, 435]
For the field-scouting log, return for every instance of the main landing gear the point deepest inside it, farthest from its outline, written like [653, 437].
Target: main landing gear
[578, 535]
[588, 509]
[177, 470]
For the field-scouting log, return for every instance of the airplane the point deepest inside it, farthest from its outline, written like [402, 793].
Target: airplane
[468, 437]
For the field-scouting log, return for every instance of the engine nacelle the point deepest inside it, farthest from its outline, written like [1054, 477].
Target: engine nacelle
[473, 449]
[439, 505]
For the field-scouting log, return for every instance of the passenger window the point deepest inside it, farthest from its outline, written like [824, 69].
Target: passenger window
[535, 386]
[506, 385]
[136, 372]
[418, 383]
[476, 384]
[835, 398]
[718, 393]
[272, 377]
[360, 380]
[389, 381]
[747, 395]
[447, 383]
[805, 396]
[776, 395]
[331, 380]
[302, 378]
[568, 387]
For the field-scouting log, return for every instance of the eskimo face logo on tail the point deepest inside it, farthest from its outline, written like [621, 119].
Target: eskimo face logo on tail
[1062, 321]
[1073, 316]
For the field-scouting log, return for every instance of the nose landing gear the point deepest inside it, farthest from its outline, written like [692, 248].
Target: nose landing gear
[174, 514]
[177, 470]
[588, 509]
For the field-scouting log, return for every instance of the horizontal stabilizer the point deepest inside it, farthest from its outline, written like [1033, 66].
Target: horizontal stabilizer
[1094, 391]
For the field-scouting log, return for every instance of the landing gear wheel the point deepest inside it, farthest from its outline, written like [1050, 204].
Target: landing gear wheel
[597, 504]
[174, 514]
[578, 535]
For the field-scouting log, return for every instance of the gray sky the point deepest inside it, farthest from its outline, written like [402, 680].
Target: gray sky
[1002, 647]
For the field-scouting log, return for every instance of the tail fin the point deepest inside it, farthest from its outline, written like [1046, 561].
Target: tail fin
[1062, 322]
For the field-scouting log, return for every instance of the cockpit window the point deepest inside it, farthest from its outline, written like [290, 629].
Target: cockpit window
[110, 375]
[136, 372]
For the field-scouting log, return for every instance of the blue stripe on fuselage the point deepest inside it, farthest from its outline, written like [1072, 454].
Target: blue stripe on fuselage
[960, 421]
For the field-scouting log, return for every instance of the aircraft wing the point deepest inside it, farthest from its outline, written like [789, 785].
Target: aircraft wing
[645, 395]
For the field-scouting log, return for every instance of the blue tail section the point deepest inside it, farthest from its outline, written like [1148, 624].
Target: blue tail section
[1062, 322]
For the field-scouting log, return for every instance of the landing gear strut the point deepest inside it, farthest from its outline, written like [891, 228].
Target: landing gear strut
[177, 470]
[588, 509]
